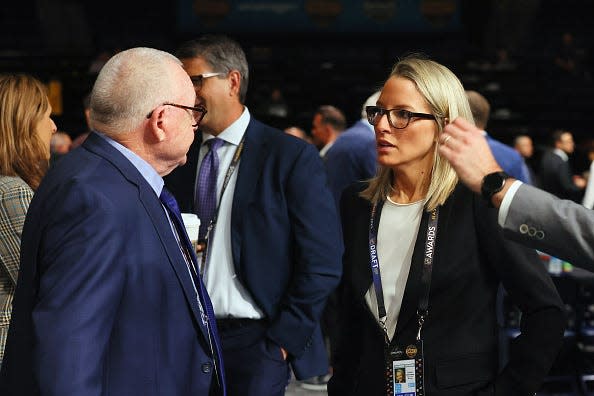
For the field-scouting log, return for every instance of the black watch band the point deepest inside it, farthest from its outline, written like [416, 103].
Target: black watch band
[492, 184]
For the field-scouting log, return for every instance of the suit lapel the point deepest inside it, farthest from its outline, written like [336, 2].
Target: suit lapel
[155, 211]
[255, 152]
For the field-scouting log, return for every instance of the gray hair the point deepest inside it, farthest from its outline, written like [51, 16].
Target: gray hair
[222, 54]
[129, 86]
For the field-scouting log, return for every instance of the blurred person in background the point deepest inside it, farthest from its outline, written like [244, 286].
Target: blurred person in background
[60, 145]
[510, 160]
[556, 174]
[25, 132]
[588, 201]
[298, 132]
[86, 102]
[424, 257]
[525, 147]
[352, 157]
[327, 124]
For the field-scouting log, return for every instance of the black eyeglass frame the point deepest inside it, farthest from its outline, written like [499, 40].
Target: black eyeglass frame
[381, 111]
[199, 109]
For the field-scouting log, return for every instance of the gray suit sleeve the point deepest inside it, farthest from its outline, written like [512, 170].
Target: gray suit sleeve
[558, 227]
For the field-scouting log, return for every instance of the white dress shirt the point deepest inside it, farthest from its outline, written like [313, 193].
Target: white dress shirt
[325, 149]
[229, 297]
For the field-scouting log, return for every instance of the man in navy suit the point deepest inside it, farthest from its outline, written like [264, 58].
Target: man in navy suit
[106, 301]
[556, 174]
[509, 159]
[353, 156]
[273, 248]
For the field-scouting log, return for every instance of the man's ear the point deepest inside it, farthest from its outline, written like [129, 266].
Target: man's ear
[157, 124]
[235, 82]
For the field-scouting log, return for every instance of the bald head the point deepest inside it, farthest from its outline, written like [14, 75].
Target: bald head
[480, 108]
[130, 84]
[60, 143]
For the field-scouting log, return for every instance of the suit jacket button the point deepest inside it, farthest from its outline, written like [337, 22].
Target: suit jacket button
[540, 234]
[206, 368]
[523, 229]
[532, 231]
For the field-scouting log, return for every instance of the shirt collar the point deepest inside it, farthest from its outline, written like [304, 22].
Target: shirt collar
[146, 170]
[234, 132]
[325, 149]
[561, 154]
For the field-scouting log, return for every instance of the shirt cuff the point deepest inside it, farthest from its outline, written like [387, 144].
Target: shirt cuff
[506, 202]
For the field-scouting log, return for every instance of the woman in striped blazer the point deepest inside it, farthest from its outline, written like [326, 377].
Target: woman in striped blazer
[25, 132]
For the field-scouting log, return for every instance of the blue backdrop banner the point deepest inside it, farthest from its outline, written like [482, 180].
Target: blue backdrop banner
[269, 16]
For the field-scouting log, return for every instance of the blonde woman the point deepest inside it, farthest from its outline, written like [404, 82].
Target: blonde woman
[433, 253]
[25, 132]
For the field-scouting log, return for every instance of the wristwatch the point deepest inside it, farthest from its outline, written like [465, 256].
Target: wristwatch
[492, 184]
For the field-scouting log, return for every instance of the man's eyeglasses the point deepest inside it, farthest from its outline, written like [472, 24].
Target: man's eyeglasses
[198, 113]
[398, 118]
[198, 79]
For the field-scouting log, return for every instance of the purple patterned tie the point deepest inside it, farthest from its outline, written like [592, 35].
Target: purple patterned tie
[206, 193]
[168, 200]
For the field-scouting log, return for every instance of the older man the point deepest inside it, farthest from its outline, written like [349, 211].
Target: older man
[327, 124]
[108, 299]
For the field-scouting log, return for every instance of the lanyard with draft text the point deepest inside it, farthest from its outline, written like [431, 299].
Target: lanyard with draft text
[213, 221]
[404, 365]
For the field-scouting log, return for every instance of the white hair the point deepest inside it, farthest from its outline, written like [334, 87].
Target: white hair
[371, 101]
[130, 85]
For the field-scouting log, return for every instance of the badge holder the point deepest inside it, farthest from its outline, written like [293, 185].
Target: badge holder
[405, 369]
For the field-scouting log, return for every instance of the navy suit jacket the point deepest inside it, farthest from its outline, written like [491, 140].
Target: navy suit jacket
[510, 160]
[352, 158]
[285, 236]
[104, 303]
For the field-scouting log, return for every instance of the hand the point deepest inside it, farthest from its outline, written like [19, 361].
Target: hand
[200, 246]
[580, 182]
[284, 352]
[467, 150]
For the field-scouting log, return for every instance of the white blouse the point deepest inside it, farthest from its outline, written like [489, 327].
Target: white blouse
[397, 234]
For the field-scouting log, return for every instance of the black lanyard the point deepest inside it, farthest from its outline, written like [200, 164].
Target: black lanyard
[213, 221]
[429, 253]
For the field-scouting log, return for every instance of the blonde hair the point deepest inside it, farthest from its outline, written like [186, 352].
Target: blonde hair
[24, 102]
[446, 97]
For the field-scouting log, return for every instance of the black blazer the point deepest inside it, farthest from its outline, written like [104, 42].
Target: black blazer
[460, 334]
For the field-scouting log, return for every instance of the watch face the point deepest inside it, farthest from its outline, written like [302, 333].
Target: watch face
[493, 182]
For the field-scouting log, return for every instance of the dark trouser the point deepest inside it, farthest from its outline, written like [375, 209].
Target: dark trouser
[254, 365]
[330, 325]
